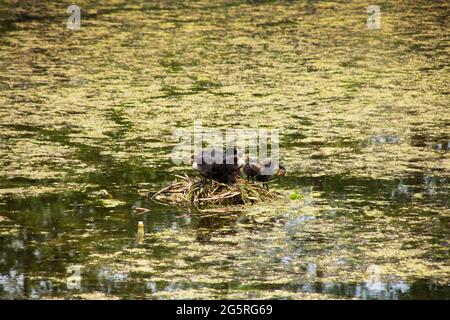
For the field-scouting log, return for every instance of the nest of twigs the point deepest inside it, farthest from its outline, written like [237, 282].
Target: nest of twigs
[190, 191]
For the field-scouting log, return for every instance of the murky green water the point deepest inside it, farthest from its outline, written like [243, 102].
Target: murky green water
[364, 126]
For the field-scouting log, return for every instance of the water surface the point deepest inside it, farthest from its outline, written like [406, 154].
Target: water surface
[364, 127]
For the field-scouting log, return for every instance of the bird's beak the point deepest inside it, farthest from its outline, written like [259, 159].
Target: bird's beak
[281, 172]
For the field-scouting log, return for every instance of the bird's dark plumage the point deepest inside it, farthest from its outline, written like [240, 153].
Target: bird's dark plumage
[252, 168]
[263, 170]
[219, 165]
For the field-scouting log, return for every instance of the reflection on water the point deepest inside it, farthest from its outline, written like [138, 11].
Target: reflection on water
[363, 126]
[140, 233]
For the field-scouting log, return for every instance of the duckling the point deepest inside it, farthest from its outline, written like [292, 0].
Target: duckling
[232, 164]
[273, 168]
[263, 171]
[218, 165]
[251, 168]
[204, 162]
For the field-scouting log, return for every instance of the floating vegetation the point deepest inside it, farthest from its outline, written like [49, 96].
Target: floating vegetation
[104, 199]
[107, 203]
[190, 191]
[141, 210]
[296, 196]
[347, 227]
[100, 194]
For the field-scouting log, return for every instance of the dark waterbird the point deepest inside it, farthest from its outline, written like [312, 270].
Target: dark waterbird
[219, 165]
[263, 170]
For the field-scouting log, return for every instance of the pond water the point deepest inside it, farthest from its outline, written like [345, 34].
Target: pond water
[364, 132]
